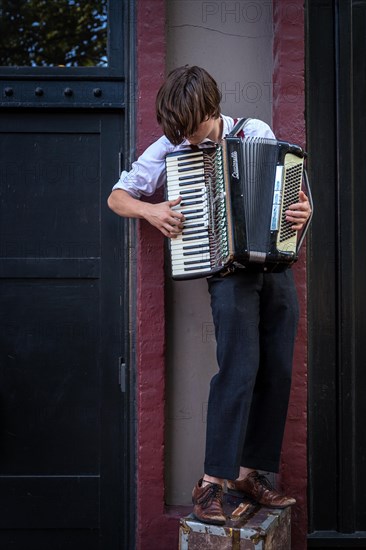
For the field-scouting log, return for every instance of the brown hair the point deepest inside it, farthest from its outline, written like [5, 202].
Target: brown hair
[188, 96]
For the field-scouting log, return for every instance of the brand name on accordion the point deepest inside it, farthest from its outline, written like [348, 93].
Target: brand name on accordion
[235, 165]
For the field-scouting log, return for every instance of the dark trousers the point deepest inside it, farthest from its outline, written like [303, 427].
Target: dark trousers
[255, 317]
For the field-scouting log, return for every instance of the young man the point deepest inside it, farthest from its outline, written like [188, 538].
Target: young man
[255, 313]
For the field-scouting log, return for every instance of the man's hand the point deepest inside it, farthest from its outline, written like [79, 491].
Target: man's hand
[160, 215]
[163, 217]
[298, 213]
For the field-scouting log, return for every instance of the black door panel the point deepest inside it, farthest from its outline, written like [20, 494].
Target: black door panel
[61, 290]
[337, 269]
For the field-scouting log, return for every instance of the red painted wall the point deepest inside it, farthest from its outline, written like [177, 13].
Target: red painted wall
[157, 530]
[153, 526]
[289, 120]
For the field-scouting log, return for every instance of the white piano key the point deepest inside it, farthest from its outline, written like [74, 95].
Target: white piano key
[183, 271]
[190, 261]
[179, 248]
[195, 228]
[184, 242]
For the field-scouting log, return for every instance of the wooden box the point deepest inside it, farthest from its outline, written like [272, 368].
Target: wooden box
[260, 529]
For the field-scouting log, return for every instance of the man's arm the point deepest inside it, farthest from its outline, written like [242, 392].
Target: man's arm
[160, 215]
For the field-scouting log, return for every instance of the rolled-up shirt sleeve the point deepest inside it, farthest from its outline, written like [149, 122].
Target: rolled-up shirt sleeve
[147, 172]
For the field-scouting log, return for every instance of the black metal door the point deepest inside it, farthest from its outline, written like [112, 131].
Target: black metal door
[336, 78]
[64, 411]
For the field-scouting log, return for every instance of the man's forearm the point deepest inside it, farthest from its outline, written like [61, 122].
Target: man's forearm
[161, 215]
[126, 206]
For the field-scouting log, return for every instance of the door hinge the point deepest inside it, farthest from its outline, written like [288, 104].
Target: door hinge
[122, 374]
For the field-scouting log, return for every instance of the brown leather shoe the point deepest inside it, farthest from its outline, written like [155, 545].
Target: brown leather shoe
[208, 503]
[259, 489]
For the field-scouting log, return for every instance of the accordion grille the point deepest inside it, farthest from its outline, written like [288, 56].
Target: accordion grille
[292, 184]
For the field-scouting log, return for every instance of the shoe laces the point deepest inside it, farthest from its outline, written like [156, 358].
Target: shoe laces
[212, 492]
[264, 481]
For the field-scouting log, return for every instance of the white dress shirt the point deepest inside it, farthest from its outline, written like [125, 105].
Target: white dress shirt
[148, 172]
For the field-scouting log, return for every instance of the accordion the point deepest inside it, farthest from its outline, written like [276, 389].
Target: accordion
[234, 198]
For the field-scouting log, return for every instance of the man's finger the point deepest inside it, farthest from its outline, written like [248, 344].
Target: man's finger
[175, 202]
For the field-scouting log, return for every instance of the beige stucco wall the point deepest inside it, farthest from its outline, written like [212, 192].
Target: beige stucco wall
[233, 41]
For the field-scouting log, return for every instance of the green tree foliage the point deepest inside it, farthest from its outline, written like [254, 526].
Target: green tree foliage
[53, 32]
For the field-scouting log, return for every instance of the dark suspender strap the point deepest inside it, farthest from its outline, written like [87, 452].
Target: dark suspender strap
[238, 127]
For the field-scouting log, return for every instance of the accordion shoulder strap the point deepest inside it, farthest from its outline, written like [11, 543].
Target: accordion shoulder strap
[238, 129]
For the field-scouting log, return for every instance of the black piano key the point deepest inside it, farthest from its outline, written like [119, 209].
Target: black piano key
[192, 178]
[194, 238]
[188, 168]
[184, 155]
[189, 262]
[202, 247]
[193, 211]
[197, 252]
[189, 203]
[189, 191]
